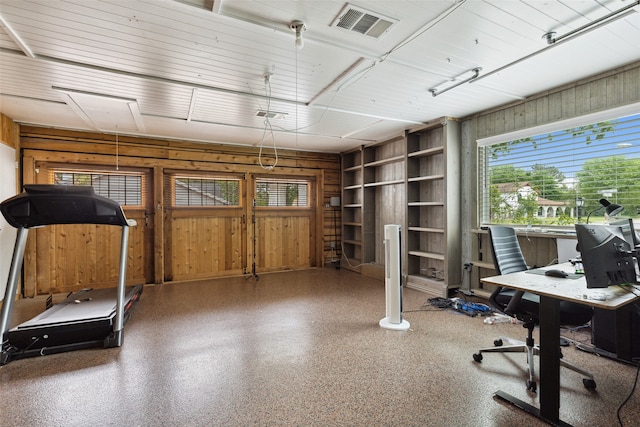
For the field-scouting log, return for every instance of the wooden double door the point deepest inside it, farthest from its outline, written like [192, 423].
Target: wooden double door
[249, 236]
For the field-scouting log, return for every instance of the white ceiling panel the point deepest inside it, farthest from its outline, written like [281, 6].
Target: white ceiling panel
[195, 69]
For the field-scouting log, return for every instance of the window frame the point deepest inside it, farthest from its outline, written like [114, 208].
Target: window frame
[170, 190]
[483, 214]
[307, 181]
[93, 171]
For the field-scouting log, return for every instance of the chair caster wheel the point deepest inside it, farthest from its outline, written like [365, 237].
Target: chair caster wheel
[497, 343]
[589, 384]
[477, 357]
[532, 386]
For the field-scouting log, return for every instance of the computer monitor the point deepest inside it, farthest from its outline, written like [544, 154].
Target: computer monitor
[605, 255]
[628, 230]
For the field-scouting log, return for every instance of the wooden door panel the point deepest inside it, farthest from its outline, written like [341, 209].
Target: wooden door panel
[284, 242]
[205, 246]
[77, 256]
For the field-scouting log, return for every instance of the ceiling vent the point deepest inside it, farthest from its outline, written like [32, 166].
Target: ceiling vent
[359, 20]
[270, 114]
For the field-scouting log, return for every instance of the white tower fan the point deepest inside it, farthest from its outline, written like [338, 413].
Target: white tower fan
[392, 280]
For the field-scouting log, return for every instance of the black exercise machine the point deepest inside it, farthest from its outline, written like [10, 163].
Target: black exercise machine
[88, 318]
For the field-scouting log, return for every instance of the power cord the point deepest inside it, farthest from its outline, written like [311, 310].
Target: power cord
[344, 255]
[630, 288]
[436, 304]
[633, 389]
[268, 126]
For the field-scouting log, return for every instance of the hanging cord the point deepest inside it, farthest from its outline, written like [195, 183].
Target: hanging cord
[296, 98]
[117, 153]
[267, 125]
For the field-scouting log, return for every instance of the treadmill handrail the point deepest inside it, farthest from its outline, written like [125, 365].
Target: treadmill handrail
[48, 204]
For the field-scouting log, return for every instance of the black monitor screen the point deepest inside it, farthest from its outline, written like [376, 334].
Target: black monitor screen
[602, 248]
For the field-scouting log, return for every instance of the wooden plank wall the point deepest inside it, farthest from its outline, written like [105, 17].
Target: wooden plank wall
[10, 136]
[9, 132]
[71, 147]
[613, 89]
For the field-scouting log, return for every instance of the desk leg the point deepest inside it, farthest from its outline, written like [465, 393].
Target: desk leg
[549, 390]
[550, 358]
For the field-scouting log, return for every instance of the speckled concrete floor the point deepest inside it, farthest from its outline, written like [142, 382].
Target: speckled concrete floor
[295, 348]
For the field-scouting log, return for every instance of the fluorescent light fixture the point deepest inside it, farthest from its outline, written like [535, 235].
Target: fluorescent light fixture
[557, 41]
[465, 77]
[550, 36]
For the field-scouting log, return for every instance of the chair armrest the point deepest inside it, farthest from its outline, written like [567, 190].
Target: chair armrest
[512, 307]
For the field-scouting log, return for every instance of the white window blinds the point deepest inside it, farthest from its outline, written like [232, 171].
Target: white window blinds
[546, 177]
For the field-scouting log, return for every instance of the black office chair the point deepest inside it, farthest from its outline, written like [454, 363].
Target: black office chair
[508, 258]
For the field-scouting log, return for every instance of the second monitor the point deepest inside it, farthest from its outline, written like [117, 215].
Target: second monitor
[606, 255]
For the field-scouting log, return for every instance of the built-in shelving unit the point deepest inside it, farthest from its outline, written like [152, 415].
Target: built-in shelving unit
[352, 197]
[433, 208]
[414, 181]
[384, 179]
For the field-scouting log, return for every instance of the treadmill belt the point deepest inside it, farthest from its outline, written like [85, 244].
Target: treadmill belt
[71, 325]
[84, 305]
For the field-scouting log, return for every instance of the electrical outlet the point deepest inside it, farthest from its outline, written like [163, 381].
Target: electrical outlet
[332, 244]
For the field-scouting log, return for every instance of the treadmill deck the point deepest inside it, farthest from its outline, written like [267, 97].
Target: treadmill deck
[84, 319]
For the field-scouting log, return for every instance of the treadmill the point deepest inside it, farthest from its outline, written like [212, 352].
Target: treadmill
[85, 319]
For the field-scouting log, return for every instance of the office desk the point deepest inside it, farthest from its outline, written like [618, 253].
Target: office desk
[551, 290]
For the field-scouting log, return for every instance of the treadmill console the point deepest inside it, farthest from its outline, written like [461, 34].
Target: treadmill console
[45, 204]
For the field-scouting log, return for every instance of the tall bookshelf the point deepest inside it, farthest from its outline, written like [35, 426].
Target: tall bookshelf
[372, 189]
[384, 180]
[433, 255]
[352, 208]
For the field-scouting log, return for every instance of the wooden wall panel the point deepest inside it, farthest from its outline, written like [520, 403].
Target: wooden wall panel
[200, 247]
[72, 257]
[9, 132]
[613, 89]
[283, 241]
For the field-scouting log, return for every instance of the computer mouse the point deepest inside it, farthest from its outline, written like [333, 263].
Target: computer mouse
[556, 273]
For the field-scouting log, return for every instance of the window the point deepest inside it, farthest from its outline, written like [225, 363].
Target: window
[124, 188]
[545, 178]
[205, 191]
[280, 192]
